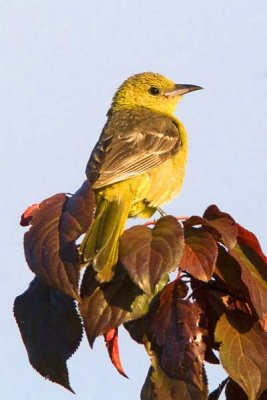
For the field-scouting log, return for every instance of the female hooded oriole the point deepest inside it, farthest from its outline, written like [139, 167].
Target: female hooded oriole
[137, 165]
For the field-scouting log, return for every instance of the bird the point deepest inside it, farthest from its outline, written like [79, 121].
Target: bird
[137, 165]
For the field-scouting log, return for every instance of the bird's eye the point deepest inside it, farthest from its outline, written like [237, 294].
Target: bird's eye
[154, 90]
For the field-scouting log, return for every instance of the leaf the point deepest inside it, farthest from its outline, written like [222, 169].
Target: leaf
[159, 386]
[263, 396]
[49, 245]
[243, 351]
[252, 262]
[137, 328]
[148, 254]
[250, 240]
[28, 215]
[148, 391]
[211, 310]
[217, 392]
[77, 215]
[175, 336]
[234, 392]
[228, 271]
[111, 338]
[107, 305]
[200, 254]
[50, 328]
[223, 223]
[226, 307]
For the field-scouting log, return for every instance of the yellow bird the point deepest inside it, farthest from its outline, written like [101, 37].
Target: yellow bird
[137, 165]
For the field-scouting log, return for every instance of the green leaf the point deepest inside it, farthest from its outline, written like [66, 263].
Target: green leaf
[148, 254]
[148, 391]
[51, 330]
[49, 245]
[159, 386]
[200, 254]
[243, 351]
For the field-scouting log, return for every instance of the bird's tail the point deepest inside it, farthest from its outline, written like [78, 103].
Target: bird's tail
[101, 243]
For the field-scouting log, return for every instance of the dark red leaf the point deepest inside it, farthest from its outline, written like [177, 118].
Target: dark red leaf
[111, 338]
[49, 245]
[210, 356]
[252, 262]
[175, 335]
[107, 305]
[50, 328]
[28, 214]
[217, 392]
[77, 214]
[234, 392]
[137, 328]
[148, 254]
[249, 239]
[228, 271]
[223, 223]
[194, 221]
[228, 277]
[200, 254]
[211, 311]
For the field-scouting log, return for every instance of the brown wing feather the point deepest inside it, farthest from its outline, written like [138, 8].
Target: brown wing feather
[131, 143]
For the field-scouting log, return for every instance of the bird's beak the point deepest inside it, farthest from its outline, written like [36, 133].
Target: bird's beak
[181, 89]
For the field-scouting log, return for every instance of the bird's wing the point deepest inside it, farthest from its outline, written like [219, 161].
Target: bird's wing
[135, 149]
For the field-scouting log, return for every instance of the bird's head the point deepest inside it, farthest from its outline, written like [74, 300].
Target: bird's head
[150, 90]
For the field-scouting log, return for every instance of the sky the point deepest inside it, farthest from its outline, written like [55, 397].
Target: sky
[60, 64]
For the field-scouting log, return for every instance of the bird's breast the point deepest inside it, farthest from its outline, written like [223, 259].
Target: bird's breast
[166, 180]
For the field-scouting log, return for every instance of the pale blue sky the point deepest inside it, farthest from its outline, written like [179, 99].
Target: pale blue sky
[60, 63]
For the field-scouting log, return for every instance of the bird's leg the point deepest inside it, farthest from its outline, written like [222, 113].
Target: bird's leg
[179, 274]
[162, 213]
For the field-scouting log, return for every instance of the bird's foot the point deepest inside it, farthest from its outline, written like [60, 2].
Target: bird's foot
[162, 213]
